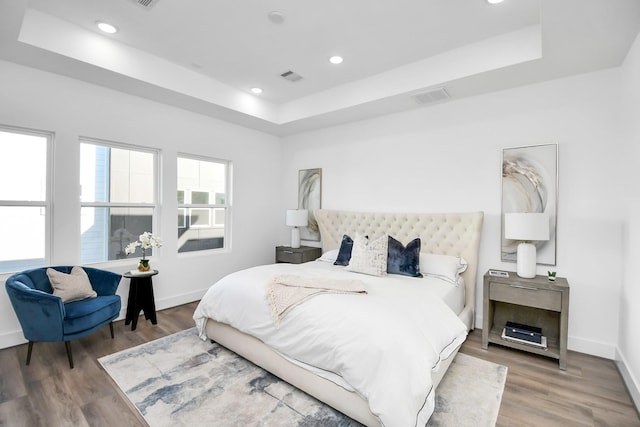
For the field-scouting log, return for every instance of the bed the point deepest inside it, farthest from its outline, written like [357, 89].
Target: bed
[289, 353]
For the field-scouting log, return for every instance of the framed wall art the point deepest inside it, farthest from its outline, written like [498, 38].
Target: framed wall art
[530, 184]
[310, 198]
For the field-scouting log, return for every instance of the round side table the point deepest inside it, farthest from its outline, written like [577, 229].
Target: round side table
[140, 298]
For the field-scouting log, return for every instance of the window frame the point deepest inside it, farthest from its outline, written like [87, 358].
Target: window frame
[46, 204]
[186, 208]
[155, 206]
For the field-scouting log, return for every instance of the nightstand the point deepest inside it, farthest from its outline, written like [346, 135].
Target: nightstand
[297, 255]
[534, 302]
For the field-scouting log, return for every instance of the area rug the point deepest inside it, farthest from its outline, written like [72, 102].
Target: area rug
[180, 380]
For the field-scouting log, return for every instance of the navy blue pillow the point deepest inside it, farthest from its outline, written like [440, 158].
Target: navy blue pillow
[404, 260]
[344, 254]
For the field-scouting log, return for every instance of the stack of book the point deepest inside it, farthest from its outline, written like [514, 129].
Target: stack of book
[524, 334]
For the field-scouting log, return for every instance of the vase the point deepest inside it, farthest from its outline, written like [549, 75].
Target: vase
[144, 265]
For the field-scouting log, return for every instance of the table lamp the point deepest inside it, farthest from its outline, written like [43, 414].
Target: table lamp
[296, 218]
[527, 228]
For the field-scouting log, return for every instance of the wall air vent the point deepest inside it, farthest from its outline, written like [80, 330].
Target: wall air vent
[291, 76]
[432, 95]
[145, 3]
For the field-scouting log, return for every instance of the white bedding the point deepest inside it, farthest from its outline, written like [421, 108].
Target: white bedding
[384, 345]
[452, 295]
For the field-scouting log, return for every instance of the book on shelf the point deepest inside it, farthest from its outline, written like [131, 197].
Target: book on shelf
[523, 332]
[542, 344]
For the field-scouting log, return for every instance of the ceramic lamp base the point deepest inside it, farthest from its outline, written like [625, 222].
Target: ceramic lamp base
[295, 237]
[526, 266]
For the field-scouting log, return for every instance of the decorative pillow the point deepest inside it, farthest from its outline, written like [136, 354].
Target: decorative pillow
[71, 287]
[344, 255]
[444, 266]
[369, 257]
[404, 260]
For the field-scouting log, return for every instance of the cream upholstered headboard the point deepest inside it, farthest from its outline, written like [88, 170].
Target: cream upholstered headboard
[455, 234]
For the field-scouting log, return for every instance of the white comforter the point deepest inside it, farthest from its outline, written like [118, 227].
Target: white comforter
[384, 344]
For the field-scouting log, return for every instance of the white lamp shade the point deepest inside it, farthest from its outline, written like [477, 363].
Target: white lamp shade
[297, 217]
[526, 226]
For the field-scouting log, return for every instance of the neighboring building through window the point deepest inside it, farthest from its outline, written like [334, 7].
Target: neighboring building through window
[203, 203]
[118, 198]
[24, 199]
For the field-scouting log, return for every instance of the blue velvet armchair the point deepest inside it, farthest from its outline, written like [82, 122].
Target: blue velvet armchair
[44, 317]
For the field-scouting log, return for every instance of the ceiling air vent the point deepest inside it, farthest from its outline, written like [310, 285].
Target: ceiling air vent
[291, 76]
[145, 3]
[432, 95]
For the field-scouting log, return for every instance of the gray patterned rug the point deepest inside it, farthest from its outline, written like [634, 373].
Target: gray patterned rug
[180, 380]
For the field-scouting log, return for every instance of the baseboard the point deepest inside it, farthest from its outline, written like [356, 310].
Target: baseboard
[593, 348]
[176, 300]
[13, 338]
[629, 380]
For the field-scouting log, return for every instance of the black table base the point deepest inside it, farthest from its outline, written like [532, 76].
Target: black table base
[141, 299]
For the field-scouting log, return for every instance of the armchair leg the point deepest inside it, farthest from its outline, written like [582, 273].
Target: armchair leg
[67, 344]
[29, 349]
[111, 328]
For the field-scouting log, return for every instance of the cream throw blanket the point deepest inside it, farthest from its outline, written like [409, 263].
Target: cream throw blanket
[286, 291]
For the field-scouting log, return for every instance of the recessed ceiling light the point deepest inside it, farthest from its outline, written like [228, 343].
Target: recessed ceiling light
[107, 28]
[256, 90]
[494, 1]
[336, 60]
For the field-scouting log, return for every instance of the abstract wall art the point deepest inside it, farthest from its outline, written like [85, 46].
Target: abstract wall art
[530, 184]
[310, 198]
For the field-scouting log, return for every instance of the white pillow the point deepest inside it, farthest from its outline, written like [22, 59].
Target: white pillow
[369, 256]
[329, 256]
[444, 266]
[71, 287]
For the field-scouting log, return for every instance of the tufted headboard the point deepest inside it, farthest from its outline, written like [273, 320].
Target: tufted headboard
[455, 234]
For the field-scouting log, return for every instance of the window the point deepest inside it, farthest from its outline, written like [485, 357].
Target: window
[203, 208]
[24, 199]
[118, 198]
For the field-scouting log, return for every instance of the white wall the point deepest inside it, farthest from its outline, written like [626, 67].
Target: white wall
[447, 157]
[34, 99]
[629, 346]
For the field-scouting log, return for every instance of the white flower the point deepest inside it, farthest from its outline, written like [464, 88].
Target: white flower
[145, 241]
[148, 240]
[131, 247]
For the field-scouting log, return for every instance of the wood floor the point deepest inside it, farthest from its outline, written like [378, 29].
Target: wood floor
[590, 392]
[48, 393]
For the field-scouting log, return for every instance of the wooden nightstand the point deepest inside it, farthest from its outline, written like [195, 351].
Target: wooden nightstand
[534, 302]
[297, 255]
